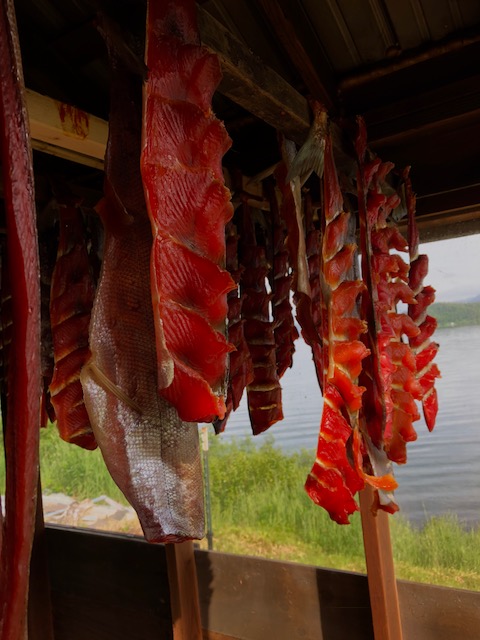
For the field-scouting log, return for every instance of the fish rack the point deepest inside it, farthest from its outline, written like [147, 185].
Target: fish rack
[207, 611]
[69, 133]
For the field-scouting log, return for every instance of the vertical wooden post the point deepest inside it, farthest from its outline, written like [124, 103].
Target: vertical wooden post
[185, 603]
[382, 584]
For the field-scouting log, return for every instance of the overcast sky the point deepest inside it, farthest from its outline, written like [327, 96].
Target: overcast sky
[454, 268]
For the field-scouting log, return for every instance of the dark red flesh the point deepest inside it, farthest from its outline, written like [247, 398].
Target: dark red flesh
[24, 383]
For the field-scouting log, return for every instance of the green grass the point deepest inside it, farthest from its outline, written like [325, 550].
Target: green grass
[259, 507]
[66, 468]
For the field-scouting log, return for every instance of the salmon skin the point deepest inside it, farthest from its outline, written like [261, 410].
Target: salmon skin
[189, 206]
[152, 455]
[71, 301]
[23, 401]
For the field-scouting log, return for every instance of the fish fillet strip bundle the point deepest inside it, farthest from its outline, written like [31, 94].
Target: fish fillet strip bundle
[189, 206]
[423, 348]
[153, 456]
[337, 473]
[240, 372]
[264, 393]
[281, 279]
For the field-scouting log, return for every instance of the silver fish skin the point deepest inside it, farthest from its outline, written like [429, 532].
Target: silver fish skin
[151, 454]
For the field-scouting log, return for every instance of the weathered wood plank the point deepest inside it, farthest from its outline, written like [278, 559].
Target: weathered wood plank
[107, 587]
[213, 635]
[66, 131]
[251, 84]
[382, 584]
[320, 88]
[439, 613]
[254, 599]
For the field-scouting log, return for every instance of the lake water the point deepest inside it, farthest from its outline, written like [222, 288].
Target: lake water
[443, 470]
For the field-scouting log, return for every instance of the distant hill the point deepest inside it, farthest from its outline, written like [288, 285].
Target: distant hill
[475, 299]
[456, 314]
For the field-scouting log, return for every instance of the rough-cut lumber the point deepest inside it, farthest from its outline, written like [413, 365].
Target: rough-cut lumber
[65, 131]
[253, 85]
[319, 86]
[382, 584]
[182, 578]
[120, 592]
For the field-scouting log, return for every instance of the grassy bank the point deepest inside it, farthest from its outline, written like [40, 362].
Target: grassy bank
[259, 507]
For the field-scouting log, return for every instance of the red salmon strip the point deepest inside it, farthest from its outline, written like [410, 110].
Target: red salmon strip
[189, 206]
[424, 349]
[24, 379]
[335, 477]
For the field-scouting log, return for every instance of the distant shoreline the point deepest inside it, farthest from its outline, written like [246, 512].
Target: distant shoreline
[456, 314]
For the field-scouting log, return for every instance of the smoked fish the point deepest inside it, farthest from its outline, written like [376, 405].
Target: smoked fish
[153, 456]
[21, 430]
[188, 204]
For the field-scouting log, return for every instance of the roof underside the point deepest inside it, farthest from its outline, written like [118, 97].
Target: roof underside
[411, 67]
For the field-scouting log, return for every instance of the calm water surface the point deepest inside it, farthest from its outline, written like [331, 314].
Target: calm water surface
[443, 471]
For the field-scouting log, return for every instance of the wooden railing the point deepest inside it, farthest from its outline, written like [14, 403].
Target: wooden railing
[112, 587]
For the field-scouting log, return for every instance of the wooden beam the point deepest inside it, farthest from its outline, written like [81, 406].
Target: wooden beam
[185, 603]
[382, 584]
[254, 86]
[440, 108]
[65, 131]
[321, 89]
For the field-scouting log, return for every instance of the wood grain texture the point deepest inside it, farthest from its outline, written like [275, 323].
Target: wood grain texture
[182, 579]
[381, 572]
[65, 131]
[253, 85]
[107, 587]
[112, 587]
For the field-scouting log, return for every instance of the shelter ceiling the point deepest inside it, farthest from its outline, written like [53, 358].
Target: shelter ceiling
[412, 68]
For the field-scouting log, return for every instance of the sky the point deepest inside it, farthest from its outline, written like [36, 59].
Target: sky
[454, 268]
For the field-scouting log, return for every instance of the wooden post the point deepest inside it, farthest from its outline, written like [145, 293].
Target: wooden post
[382, 584]
[184, 600]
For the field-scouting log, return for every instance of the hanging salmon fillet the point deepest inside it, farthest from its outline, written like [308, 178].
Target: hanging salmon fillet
[21, 430]
[337, 473]
[281, 279]
[240, 371]
[264, 392]
[189, 206]
[152, 455]
[423, 348]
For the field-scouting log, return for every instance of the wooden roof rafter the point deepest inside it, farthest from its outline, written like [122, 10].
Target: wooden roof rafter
[317, 77]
